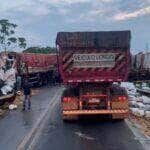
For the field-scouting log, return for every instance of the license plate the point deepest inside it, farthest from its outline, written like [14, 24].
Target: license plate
[94, 100]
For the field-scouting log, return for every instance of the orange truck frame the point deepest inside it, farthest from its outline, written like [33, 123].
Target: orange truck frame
[89, 63]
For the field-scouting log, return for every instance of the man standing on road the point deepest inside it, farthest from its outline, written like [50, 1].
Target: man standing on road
[27, 95]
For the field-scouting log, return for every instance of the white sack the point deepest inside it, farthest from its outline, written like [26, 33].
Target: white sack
[132, 98]
[147, 114]
[146, 100]
[147, 107]
[133, 104]
[137, 112]
[141, 106]
[9, 79]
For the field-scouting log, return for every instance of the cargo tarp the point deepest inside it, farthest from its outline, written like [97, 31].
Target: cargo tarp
[102, 39]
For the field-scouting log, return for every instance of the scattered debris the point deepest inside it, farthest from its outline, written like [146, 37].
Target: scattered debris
[7, 74]
[84, 136]
[140, 108]
[139, 105]
[19, 93]
[142, 122]
[12, 106]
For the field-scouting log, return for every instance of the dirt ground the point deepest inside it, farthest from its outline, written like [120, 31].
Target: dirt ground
[142, 122]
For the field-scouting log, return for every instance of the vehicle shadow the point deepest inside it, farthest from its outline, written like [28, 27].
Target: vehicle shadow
[95, 120]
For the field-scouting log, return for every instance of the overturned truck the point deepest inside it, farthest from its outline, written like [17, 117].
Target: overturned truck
[89, 64]
[40, 67]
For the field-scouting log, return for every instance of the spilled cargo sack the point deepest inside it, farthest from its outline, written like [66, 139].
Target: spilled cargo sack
[147, 107]
[7, 75]
[141, 106]
[9, 80]
[132, 98]
[147, 114]
[133, 104]
[145, 99]
[137, 112]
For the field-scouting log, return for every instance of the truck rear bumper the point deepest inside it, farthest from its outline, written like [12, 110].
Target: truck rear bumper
[96, 112]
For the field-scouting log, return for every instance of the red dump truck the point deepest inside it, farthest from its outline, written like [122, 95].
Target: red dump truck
[89, 64]
[41, 67]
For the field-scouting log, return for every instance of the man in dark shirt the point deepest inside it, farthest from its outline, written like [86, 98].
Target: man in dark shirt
[27, 94]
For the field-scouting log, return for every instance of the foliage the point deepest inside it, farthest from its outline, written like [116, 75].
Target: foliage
[7, 36]
[40, 50]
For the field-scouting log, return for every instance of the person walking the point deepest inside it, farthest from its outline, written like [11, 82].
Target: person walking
[27, 95]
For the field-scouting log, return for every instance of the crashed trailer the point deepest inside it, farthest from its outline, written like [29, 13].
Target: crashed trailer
[89, 63]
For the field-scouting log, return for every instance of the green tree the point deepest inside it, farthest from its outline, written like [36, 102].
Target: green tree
[40, 50]
[7, 36]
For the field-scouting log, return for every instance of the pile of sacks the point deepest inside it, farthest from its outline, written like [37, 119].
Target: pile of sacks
[7, 75]
[139, 105]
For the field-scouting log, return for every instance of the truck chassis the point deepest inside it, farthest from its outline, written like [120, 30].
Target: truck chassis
[99, 99]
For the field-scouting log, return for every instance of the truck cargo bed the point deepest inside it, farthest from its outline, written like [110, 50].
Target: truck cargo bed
[82, 60]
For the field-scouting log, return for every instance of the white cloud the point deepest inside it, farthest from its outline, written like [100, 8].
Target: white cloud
[35, 9]
[66, 2]
[63, 11]
[24, 6]
[90, 16]
[135, 14]
[63, 2]
[41, 7]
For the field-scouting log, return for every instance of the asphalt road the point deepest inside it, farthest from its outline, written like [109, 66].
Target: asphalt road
[86, 134]
[16, 124]
[53, 134]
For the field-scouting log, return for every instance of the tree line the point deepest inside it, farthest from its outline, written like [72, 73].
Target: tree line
[9, 40]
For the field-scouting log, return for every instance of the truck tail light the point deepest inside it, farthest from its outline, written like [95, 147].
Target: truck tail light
[80, 104]
[69, 99]
[69, 103]
[66, 99]
[122, 98]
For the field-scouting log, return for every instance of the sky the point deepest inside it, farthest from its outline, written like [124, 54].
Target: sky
[40, 20]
